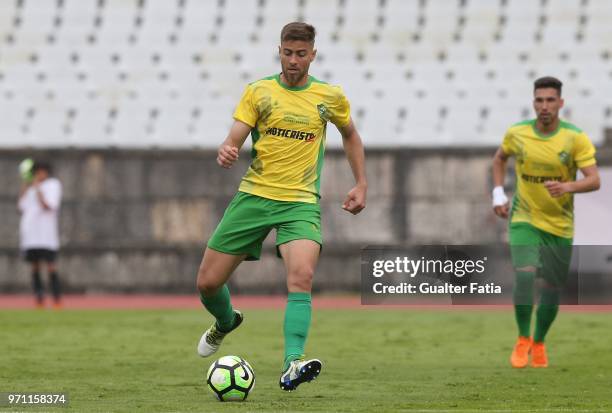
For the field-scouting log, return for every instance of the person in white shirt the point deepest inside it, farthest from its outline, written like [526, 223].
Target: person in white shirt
[39, 204]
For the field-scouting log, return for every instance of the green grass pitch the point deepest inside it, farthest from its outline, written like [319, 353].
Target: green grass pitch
[374, 361]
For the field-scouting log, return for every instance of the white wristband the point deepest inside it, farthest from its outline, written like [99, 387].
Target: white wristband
[499, 196]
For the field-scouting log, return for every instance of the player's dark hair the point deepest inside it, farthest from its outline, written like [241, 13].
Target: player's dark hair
[548, 82]
[42, 165]
[298, 31]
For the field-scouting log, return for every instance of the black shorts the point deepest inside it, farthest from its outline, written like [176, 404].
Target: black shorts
[40, 254]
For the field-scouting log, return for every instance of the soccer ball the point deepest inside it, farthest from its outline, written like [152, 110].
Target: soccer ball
[230, 378]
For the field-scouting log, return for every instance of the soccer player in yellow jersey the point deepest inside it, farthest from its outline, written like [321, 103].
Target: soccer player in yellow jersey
[286, 115]
[548, 152]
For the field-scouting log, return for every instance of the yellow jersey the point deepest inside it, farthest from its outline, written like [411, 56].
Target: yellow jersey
[288, 132]
[540, 158]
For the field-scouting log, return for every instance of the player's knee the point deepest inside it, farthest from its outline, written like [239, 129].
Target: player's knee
[207, 287]
[206, 283]
[300, 279]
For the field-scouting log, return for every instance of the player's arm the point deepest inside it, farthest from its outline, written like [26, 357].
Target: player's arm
[500, 200]
[41, 197]
[20, 200]
[589, 183]
[228, 151]
[355, 200]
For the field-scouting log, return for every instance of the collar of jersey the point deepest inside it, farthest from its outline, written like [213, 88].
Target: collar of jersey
[296, 88]
[542, 135]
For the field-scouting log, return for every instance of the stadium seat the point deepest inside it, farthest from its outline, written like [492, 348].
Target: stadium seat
[8, 12]
[117, 23]
[14, 112]
[401, 17]
[521, 23]
[198, 23]
[562, 23]
[78, 17]
[90, 127]
[239, 23]
[274, 16]
[440, 24]
[325, 14]
[37, 21]
[174, 125]
[482, 22]
[360, 22]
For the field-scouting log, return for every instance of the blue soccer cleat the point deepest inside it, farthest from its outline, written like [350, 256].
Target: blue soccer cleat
[298, 372]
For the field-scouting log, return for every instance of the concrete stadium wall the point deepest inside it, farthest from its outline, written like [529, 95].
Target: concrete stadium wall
[139, 220]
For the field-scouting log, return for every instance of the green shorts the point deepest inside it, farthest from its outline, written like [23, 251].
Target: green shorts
[549, 253]
[249, 218]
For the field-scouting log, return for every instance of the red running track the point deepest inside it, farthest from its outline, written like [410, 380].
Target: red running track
[129, 301]
[95, 301]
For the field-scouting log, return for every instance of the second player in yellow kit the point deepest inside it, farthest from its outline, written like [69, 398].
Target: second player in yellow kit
[548, 153]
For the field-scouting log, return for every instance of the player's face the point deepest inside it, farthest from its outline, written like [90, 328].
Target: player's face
[295, 57]
[547, 104]
[40, 175]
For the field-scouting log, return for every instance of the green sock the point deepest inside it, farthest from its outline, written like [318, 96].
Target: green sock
[220, 306]
[546, 313]
[297, 322]
[523, 301]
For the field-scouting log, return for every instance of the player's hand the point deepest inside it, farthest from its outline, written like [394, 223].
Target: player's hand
[227, 155]
[355, 200]
[502, 210]
[556, 188]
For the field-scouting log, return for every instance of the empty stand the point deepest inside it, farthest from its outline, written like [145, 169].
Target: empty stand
[168, 73]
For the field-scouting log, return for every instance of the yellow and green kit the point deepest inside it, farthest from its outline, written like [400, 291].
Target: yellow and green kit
[541, 158]
[542, 227]
[288, 131]
[281, 187]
